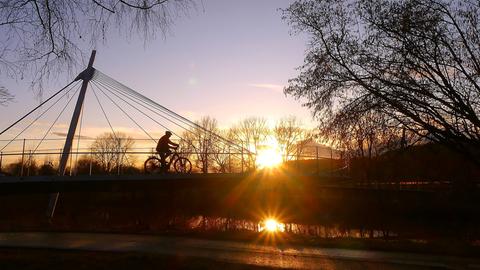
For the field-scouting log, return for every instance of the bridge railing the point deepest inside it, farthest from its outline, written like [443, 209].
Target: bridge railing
[24, 158]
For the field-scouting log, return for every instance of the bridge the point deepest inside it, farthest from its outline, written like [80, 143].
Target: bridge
[76, 169]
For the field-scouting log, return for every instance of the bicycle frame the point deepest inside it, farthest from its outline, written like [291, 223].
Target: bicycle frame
[172, 157]
[154, 163]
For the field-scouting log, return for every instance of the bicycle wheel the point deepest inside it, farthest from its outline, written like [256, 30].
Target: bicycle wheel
[182, 165]
[152, 165]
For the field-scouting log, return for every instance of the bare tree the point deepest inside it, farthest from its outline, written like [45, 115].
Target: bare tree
[200, 140]
[222, 157]
[110, 151]
[48, 37]
[367, 134]
[5, 96]
[416, 61]
[251, 133]
[290, 134]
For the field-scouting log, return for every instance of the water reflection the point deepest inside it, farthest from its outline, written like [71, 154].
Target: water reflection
[222, 224]
[271, 225]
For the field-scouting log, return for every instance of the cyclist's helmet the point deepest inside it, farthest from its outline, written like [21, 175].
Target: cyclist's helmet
[169, 133]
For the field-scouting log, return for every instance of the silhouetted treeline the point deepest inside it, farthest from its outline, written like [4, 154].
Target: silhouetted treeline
[84, 166]
[427, 162]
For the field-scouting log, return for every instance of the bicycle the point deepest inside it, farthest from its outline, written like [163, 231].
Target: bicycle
[153, 164]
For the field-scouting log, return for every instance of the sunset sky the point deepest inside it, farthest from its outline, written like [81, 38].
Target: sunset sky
[227, 59]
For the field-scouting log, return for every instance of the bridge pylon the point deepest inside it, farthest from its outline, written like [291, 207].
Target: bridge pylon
[86, 76]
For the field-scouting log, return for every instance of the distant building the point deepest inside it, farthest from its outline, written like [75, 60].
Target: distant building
[308, 149]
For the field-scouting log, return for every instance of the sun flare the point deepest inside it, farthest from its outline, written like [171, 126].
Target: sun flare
[270, 156]
[271, 225]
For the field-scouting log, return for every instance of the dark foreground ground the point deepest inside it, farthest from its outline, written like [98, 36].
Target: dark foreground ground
[122, 251]
[50, 259]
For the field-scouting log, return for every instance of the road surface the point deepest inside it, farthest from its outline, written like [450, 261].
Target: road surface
[236, 252]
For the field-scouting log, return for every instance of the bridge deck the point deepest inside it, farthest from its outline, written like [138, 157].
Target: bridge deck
[42, 184]
[47, 184]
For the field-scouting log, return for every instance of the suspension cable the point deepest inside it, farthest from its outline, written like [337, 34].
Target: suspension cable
[144, 106]
[40, 105]
[138, 125]
[110, 91]
[38, 117]
[166, 128]
[134, 99]
[104, 114]
[115, 85]
[189, 123]
[54, 122]
[100, 75]
[139, 97]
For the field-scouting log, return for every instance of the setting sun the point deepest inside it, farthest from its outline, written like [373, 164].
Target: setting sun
[271, 225]
[270, 156]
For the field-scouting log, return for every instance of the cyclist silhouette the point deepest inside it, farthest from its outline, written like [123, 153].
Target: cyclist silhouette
[164, 145]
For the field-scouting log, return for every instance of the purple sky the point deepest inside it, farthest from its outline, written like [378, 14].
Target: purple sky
[227, 59]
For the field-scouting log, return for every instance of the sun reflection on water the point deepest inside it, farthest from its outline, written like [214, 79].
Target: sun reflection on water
[271, 225]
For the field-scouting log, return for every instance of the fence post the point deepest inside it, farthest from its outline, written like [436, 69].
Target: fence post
[1, 159]
[29, 162]
[118, 164]
[206, 161]
[242, 156]
[23, 157]
[71, 160]
[229, 161]
[318, 162]
[91, 159]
